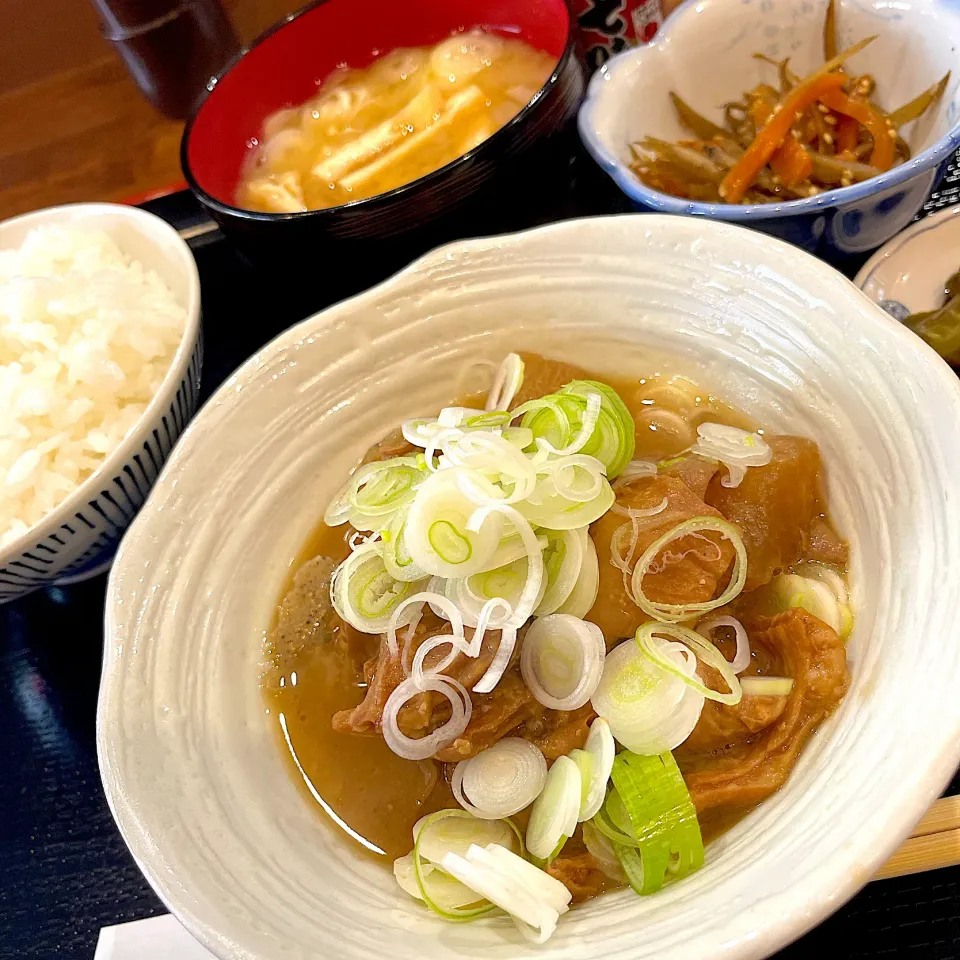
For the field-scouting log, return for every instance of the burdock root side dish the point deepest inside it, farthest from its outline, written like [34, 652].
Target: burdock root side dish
[551, 641]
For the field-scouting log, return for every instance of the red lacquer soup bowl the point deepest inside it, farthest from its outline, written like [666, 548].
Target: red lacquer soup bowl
[284, 68]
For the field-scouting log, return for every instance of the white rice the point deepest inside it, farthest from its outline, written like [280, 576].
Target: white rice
[87, 335]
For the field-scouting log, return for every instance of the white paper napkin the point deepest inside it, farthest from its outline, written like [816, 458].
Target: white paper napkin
[159, 938]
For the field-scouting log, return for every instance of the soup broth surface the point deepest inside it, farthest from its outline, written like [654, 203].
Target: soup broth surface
[409, 113]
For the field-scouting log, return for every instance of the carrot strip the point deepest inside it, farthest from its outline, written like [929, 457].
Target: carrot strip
[867, 116]
[758, 154]
[845, 137]
[791, 163]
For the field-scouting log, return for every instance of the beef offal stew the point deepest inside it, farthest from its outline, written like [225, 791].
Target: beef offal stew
[554, 639]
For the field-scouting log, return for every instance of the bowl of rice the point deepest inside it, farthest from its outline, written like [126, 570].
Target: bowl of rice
[100, 355]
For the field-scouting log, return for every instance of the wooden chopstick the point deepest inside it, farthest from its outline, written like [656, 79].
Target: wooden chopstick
[934, 843]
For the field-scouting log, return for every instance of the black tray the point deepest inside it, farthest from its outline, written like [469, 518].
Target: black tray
[64, 870]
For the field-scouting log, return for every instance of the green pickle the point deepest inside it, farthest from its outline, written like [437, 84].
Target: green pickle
[941, 328]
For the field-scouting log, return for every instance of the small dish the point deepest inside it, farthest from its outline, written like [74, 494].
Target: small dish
[78, 538]
[705, 53]
[191, 768]
[907, 274]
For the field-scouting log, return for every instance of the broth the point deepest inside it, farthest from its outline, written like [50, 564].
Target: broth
[367, 790]
[409, 113]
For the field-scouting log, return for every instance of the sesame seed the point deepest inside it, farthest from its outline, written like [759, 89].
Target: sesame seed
[796, 134]
[822, 108]
[830, 120]
[828, 138]
[777, 108]
[845, 181]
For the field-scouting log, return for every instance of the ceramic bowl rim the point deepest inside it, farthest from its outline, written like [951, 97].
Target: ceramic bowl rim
[891, 247]
[397, 194]
[781, 929]
[161, 398]
[606, 80]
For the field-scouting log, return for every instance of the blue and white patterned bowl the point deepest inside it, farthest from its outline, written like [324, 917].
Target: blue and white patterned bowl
[77, 540]
[705, 54]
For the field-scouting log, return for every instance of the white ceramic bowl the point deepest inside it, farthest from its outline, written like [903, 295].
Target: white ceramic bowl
[705, 54]
[191, 767]
[77, 540]
[907, 274]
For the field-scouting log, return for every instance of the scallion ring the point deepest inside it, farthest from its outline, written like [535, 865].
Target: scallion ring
[766, 686]
[562, 660]
[646, 639]
[365, 595]
[507, 382]
[674, 612]
[501, 780]
[461, 709]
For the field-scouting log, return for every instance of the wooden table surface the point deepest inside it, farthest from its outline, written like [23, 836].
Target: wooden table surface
[87, 133]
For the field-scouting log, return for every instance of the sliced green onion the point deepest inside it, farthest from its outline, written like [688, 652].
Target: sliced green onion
[648, 709]
[662, 818]
[585, 590]
[365, 595]
[519, 437]
[451, 545]
[506, 582]
[562, 560]
[554, 815]
[646, 640]
[501, 780]
[615, 437]
[446, 894]
[453, 830]
[385, 490]
[814, 596]
[548, 419]
[601, 750]
[741, 659]
[492, 418]
[393, 549]
[562, 660]
[550, 509]
[511, 548]
[585, 431]
[531, 594]
[617, 813]
[766, 686]
[736, 449]
[676, 612]
[603, 852]
[507, 382]
[436, 531]
[533, 898]
[584, 762]
[601, 820]
[457, 914]
[375, 490]
[829, 576]
[411, 748]
[559, 422]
